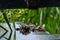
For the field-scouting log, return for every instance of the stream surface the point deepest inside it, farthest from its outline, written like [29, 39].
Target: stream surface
[16, 35]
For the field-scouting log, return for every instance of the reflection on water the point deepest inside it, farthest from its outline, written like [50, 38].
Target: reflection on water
[6, 34]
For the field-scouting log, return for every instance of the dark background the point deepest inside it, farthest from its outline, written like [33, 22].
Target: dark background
[7, 4]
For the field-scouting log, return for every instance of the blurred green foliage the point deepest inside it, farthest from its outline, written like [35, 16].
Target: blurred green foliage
[50, 16]
[21, 15]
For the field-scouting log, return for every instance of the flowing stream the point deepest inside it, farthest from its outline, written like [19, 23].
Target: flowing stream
[19, 36]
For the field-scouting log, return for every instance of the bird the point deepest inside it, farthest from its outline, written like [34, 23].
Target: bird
[26, 29]
[40, 29]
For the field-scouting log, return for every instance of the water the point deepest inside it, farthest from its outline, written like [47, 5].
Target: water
[7, 33]
[19, 36]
